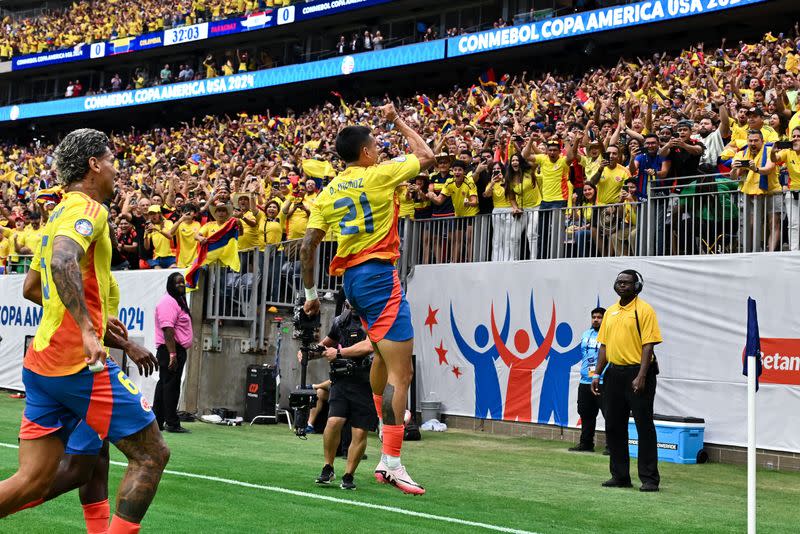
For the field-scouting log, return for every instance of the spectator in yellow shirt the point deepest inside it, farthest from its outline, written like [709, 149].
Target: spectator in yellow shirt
[272, 228]
[251, 220]
[610, 177]
[296, 210]
[463, 193]
[158, 239]
[17, 237]
[759, 183]
[790, 157]
[552, 172]
[185, 229]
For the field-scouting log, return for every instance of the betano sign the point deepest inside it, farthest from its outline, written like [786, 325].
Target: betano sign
[780, 361]
[587, 23]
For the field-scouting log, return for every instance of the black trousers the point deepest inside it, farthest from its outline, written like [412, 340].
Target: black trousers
[619, 401]
[168, 389]
[589, 406]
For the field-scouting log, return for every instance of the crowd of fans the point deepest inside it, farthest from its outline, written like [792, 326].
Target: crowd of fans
[516, 146]
[95, 20]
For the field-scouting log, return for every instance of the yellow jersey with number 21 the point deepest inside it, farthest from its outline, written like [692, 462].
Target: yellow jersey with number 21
[57, 349]
[361, 201]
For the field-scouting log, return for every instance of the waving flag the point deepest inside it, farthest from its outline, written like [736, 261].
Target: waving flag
[315, 168]
[52, 194]
[753, 347]
[487, 79]
[427, 107]
[221, 246]
[446, 127]
[503, 82]
[341, 102]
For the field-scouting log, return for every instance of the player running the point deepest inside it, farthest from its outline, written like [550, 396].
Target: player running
[85, 464]
[361, 201]
[61, 389]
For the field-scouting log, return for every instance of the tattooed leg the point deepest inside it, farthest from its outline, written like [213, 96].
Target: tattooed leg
[147, 455]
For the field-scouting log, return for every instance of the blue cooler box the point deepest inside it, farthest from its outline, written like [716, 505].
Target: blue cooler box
[680, 439]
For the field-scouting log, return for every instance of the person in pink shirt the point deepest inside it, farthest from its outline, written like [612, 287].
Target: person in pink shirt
[173, 338]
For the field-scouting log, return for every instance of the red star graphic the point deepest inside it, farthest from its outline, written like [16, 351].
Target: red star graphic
[457, 372]
[441, 351]
[431, 319]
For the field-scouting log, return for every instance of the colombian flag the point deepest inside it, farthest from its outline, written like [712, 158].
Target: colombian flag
[49, 195]
[221, 246]
[487, 79]
[426, 104]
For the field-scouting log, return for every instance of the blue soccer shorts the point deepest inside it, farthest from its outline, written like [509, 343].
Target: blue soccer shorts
[373, 289]
[108, 402]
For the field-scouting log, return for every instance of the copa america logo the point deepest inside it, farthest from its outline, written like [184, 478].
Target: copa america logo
[348, 65]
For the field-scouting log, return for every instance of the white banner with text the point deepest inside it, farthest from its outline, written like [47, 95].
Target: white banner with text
[502, 340]
[140, 292]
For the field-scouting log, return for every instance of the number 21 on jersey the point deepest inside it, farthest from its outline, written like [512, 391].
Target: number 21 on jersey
[345, 224]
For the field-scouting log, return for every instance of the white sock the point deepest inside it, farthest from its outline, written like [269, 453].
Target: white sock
[392, 462]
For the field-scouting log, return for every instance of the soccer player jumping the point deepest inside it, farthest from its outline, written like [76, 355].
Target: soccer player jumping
[360, 203]
[62, 389]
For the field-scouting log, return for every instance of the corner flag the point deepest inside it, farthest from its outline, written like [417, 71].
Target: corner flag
[753, 346]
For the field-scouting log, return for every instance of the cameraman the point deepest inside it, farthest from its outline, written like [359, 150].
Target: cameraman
[347, 349]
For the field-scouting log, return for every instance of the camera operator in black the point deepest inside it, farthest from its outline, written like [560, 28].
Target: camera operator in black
[348, 351]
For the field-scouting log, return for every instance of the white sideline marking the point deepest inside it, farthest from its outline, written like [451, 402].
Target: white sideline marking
[277, 489]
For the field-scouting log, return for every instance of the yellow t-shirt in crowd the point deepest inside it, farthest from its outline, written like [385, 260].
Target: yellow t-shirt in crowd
[272, 231]
[528, 193]
[187, 244]
[590, 165]
[554, 178]
[296, 223]
[752, 183]
[794, 122]
[162, 245]
[610, 184]
[792, 161]
[251, 237]
[406, 204]
[460, 193]
[620, 335]
[499, 199]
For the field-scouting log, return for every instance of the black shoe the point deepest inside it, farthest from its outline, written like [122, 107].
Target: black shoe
[347, 482]
[582, 447]
[649, 487]
[177, 429]
[606, 452]
[326, 476]
[614, 483]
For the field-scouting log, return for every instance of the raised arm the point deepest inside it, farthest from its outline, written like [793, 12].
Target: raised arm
[416, 143]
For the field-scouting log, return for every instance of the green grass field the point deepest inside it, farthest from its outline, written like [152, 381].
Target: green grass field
[509, 483]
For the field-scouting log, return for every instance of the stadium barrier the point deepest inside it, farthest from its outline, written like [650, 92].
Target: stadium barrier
[703, 214]
[534, 313]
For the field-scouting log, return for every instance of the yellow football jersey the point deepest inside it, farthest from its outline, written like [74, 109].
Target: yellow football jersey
[57, 349]
[361, 201]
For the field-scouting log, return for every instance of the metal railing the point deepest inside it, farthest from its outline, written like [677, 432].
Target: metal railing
[581, 231]
[15, 264]
[704, 214]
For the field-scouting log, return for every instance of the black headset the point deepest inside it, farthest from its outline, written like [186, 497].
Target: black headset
[638, 285]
